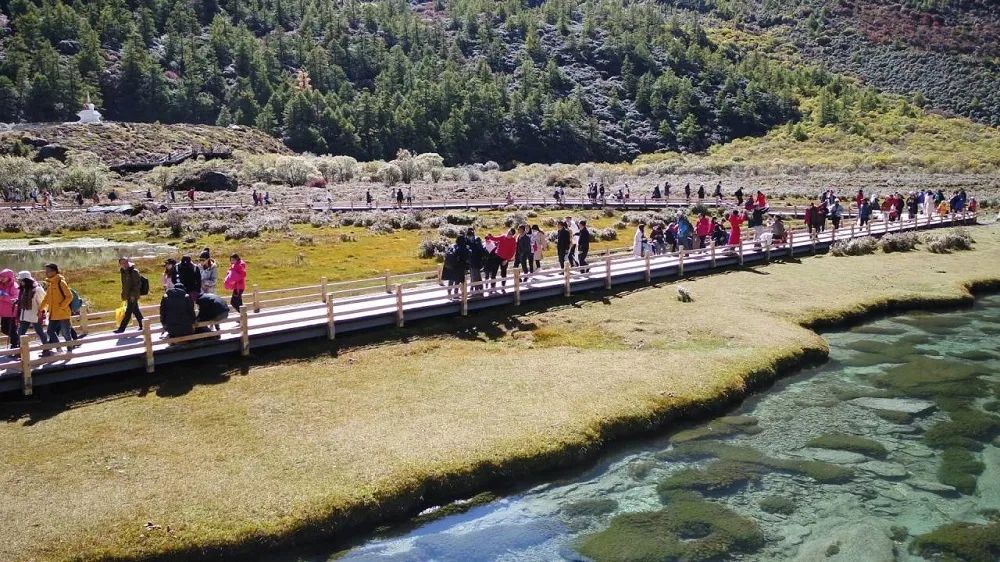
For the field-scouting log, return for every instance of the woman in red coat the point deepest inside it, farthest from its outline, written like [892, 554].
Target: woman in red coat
[735, 221]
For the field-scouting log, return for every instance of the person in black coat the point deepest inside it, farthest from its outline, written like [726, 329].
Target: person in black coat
[211, 308]
[476, 256]
[177, 312]
[189, 275]
[525, 257]
[563, 242]
[583, 245]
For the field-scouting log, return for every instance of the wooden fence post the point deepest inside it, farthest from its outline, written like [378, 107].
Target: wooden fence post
[852, 232]
[245, 332]
[517, 285]
[256, 298]
[566, 279]
[322, 289]
[440, 276]
[607, 271]
[767, 254]
[791, 243]
[147, 340]
[388, 289]
[399, 306]
[741, 252]
[649, 276]
[869, 225]
[465, 297]
[26, 364]
[711, 249]
[84, 321]
[331, 329]
[680, 263]
[814, 238]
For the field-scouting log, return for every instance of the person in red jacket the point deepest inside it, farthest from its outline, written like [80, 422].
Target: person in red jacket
[236, 280]
[506, 248]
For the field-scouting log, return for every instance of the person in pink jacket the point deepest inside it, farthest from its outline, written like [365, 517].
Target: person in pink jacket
[703, 229]
[236, 280]
[8, 306]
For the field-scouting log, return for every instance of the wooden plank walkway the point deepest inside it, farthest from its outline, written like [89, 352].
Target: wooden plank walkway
[301, 313]
[446, 204]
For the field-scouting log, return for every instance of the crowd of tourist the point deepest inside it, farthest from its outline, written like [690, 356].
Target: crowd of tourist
[47, 305]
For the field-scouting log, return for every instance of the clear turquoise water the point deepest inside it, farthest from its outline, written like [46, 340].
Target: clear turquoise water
[873, 517]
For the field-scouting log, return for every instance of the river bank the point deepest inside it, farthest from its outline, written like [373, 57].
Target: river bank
[318, 445]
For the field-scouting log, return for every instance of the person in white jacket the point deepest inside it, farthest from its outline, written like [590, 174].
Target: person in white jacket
[209, 272]
[639, 240]
[29, 303]
[539, 245]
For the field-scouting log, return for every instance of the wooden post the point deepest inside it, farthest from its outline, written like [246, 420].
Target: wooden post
[814, 243]
[648, 273]
[388, 289]
[791, 243]
[245, 332]
[84, 321]
[331, 329]
[26, 364]
[322, 289]
[869, 225]
[517, 285]
[680, 263]
[147, 340]
[852, 232]
[399, 306]
[256, 299]
[767, 253]
[712, 252]
[465, 297]
[566, 279]
[741, 252]
[440, 276]
[607, 270]
[885, 226]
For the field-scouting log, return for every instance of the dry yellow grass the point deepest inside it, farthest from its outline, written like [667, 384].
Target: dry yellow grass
[334, 438]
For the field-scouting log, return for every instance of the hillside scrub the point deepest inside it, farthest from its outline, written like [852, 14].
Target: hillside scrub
[194, 431]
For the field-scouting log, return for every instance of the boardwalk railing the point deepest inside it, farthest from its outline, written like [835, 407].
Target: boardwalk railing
[300, 313]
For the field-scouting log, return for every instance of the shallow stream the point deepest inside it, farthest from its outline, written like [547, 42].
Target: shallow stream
[32, 255]
[849, 461]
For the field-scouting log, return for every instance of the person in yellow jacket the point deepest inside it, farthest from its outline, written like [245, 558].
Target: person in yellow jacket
[57, 302]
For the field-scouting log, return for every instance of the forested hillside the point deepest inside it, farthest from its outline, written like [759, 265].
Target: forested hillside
[508, 80]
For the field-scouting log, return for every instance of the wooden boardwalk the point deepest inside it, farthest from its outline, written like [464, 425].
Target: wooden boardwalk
[325, 310]
[445, 204]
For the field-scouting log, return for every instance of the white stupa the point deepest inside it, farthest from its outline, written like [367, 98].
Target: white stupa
[89, 114]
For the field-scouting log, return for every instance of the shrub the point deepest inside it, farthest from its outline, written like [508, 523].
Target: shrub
[945, 243]
[491, 166]
[899, 242]
[337, 168]
[319, 220]
[514, 219]
[436, 174]
[450, 231]
[432, 248]
[345, 237]
[381, 228]
[174, 220]
[242, 232]
[453, 218]
[84, 180]
[699, 208]
[390, 174]
[408, 167]
[608, 234]
[474, 174]
[854, 247]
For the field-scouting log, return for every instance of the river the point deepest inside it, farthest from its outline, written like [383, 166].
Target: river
[849, 461]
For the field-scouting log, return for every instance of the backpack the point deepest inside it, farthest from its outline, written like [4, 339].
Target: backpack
[76, 303]
[451, 259]
[143, 285]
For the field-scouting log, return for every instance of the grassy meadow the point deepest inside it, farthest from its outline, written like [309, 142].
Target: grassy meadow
[315, 439]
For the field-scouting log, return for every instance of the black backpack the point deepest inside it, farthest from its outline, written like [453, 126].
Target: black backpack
[143, 285]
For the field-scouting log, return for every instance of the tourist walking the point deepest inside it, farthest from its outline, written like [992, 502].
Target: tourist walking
[736, 220]
[131, 291]
[836, 213]
[477, 255]
[8, 306]
[209, 272]
[453, 268]
[702, 229]
[491, 261]
[236, 281]
[639, 241]
[563, 242]
[583, 246]
[684, 231]
[506, 251]
[57, 303]
[539, 244]
[169, 277]
[189, 275]
[756, 222]
[30, 298]
[739, 197]
[525, 253]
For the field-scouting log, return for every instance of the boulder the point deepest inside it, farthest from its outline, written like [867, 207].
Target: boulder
[68, 47]
[884, 469]
[206, 180]
[869, 540]
[54, 151]
[906, 405]
[933, 487]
